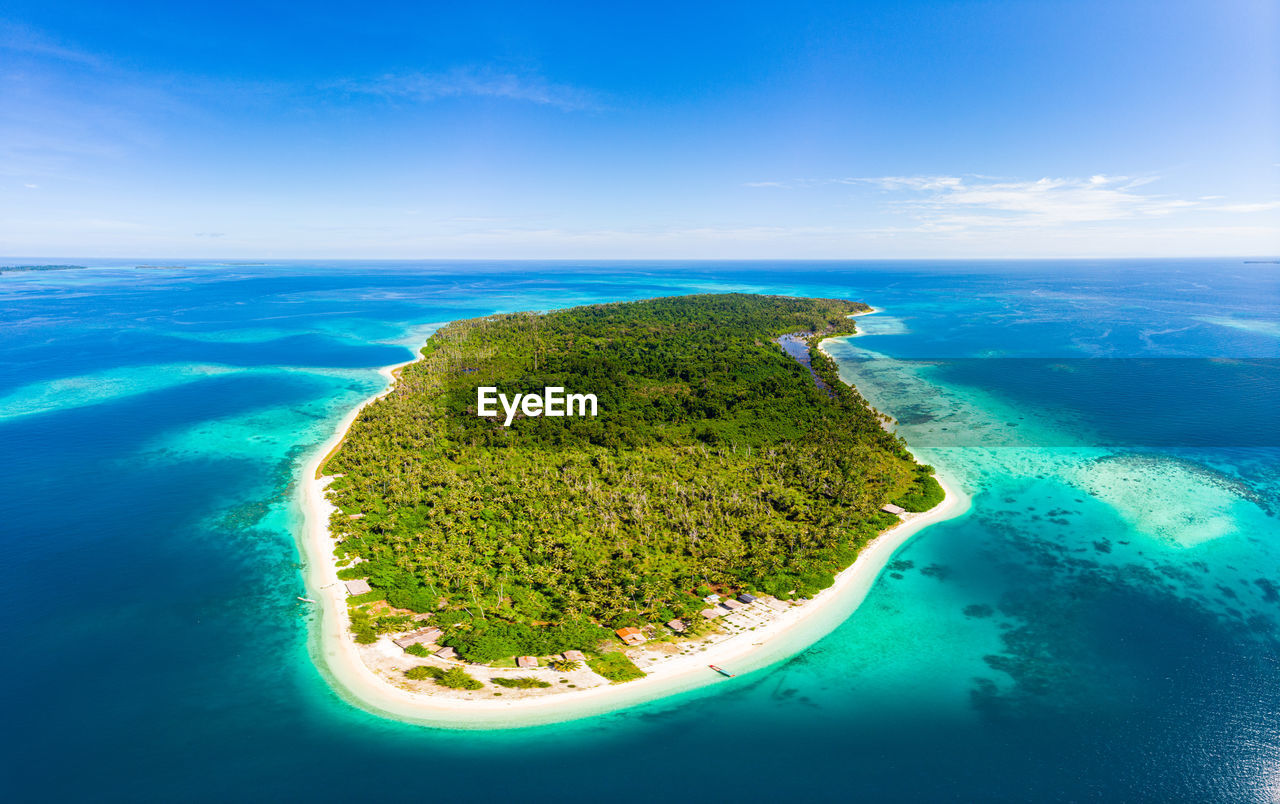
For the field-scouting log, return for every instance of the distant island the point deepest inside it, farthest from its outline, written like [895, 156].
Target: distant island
[721, 485]
[23, 268]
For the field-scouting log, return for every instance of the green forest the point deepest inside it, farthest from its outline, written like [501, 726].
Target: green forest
[716, 462]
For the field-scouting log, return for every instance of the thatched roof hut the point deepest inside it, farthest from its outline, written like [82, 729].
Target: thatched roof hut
[423, 636]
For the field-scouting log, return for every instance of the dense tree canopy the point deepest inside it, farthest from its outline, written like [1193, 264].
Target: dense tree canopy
[715, 460]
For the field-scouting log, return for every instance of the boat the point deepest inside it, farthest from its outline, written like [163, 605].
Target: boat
[306, 600]
[721, 671]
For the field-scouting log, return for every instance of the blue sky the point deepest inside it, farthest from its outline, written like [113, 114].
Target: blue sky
[646, 130]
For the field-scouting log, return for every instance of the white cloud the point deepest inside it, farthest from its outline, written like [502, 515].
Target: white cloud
[921, 183]
[1263, 206]
[31, 186]
[954, 203]
[476, 82]
[764, 184]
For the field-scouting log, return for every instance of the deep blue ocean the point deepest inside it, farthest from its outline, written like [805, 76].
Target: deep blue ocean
[1103, 624]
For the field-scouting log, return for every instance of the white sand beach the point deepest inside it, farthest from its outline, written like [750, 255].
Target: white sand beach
[783, 634]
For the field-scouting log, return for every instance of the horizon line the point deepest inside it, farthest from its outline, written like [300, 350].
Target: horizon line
[265, 259]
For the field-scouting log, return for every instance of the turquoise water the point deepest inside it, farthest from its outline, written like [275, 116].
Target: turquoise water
[1101, 625]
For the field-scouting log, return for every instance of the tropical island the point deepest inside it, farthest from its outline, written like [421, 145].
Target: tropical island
[729, 478]
[18, 269]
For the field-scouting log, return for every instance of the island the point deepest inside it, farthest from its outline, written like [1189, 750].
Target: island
[726, 479]
[18, 269]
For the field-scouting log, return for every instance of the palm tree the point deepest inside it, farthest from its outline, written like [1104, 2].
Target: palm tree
[565, 665]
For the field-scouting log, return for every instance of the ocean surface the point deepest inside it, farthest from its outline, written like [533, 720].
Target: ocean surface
[1103, 624]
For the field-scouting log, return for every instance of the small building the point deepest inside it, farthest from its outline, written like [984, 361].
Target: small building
[678, 626]
[575, 656]
[711, 614]
[423, 636]
[731, 605]
[446, 653]
[631, 636]
[890, 508]
[747, 598]
[712, 598]
[527, 661]
[359, 586]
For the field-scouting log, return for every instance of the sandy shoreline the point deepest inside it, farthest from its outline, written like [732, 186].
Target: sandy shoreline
[338, 657]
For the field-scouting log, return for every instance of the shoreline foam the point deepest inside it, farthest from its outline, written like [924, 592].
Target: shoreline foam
[338, 658]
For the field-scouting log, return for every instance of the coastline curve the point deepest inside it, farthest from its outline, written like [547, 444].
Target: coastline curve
[335, 654]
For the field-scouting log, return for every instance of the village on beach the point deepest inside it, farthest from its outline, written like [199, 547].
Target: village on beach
[414, 661]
